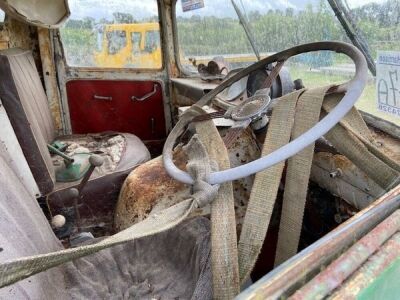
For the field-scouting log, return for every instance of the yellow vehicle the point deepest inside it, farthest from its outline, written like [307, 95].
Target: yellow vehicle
[122, 45]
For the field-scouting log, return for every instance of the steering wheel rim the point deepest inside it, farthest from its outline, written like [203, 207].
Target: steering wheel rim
[352, 89]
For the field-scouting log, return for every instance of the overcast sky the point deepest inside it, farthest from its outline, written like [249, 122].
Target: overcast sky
[221, 8]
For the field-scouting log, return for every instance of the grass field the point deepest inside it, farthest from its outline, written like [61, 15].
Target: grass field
[366, 103]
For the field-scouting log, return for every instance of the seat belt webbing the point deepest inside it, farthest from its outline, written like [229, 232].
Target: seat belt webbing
[298, 175]
[265, 187]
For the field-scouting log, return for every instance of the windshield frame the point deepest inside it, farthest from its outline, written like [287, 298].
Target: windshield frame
[183, 71]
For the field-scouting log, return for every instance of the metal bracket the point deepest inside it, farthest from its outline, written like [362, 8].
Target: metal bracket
[145, 97]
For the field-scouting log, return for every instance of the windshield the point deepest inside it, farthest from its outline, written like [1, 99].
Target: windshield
[215, 30]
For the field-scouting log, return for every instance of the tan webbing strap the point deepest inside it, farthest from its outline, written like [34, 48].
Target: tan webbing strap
[353, 119]
[265, 187]
[224, 254]
[359, 129]
[366, 158]
[298, 175]
[358, 153]
[199, 166]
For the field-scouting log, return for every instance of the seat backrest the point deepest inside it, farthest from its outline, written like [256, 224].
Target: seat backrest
[25, 102]
[24, 231]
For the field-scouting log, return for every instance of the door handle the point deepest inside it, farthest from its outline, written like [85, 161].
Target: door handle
[107, 98]
[153, 92]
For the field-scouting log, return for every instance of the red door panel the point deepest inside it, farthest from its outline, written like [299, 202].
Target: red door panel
[104, 105]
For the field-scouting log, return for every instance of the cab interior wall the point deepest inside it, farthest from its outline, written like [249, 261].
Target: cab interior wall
[335, 180]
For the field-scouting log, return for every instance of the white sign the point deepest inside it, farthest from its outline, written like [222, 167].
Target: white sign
[388, 82]
[188, 5]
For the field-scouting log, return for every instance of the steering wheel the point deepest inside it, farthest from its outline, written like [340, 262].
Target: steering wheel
[352, 89]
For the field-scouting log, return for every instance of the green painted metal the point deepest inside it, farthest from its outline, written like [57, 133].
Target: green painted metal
[61, 146]
[54, 150]
[386, 286]
[75, 170]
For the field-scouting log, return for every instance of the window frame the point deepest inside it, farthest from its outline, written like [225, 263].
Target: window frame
[183, 71]
[91, 69]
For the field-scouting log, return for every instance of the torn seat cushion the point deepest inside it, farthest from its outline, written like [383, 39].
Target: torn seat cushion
[122, 152]
[171, 265]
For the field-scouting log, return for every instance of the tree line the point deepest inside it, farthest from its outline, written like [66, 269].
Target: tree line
[273, 31]
[277, 30]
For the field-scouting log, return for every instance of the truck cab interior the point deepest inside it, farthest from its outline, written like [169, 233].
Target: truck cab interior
[175, 149]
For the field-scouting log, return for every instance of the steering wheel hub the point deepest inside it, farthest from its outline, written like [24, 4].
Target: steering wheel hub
[253, 108]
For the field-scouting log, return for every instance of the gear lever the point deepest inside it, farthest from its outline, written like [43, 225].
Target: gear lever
[95, 161]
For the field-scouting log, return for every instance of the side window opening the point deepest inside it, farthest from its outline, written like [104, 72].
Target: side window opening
[152, 41]
[136, 39]
[114, 35]
[116, 40]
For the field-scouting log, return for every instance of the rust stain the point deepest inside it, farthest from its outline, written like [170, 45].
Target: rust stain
[144, 187]
[4, 37]
[370, 271]
[49, 76]
[388, 145]
[149, 187]
[337, 272]
[342, 162]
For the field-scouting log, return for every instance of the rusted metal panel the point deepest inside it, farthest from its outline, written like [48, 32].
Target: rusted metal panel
[337, 272]
[338, 175]
[149, 188]
[4, 37]
[169, 41]
[291, 275]
[49, 77]
[146, 187]
[387, 144]
[15, 34]
[370, 271]
[381, 124]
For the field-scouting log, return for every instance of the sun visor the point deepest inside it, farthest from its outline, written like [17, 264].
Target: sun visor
[43, 13]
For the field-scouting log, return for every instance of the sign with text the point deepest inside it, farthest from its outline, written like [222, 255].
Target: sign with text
[188, 5]
[388, 82]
